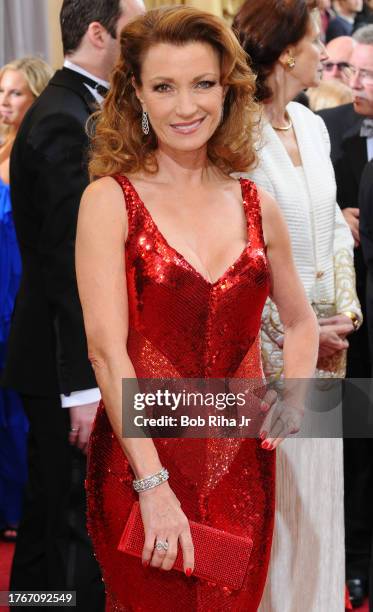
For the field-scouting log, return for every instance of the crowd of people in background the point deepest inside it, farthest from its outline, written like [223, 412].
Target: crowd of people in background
[21, 82]
[47, 364]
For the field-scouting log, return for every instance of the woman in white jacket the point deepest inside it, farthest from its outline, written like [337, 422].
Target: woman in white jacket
[283, 41]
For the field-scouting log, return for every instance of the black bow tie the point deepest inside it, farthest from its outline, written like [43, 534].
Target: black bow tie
[366, 129]
[101, 89]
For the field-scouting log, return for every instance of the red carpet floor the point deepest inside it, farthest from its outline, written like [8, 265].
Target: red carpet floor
[6, 554]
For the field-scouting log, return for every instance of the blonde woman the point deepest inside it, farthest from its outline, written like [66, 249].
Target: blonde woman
[21, 82]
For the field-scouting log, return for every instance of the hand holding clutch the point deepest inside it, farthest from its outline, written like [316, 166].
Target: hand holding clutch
[220, 557]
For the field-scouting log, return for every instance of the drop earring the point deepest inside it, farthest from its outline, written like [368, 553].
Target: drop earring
[145, 123]
[291, 62]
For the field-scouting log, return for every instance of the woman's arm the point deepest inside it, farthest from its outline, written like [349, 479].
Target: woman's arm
[301, 332]
[101, 275]
[100, 266]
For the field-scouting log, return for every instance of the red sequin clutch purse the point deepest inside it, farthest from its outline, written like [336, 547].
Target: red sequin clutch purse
[220, 557]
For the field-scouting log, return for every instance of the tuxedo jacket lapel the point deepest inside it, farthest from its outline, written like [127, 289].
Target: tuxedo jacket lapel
[73, 80]
[355, 148]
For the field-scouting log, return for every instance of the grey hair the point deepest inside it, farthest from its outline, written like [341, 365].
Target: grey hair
[364, 35]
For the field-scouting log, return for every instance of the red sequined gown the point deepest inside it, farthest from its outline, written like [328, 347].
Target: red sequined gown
[181, 325]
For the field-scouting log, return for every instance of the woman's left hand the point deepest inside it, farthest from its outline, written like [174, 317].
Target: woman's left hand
[283, 419]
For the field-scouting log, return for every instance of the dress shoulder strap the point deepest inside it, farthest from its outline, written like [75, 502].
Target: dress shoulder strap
[131, 199]
[253, 212]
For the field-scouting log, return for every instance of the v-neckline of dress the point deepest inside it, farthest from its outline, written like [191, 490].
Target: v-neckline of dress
[181, 257]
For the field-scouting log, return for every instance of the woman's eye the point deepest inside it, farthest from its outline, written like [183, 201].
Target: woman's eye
[206, 84]
[162, 87]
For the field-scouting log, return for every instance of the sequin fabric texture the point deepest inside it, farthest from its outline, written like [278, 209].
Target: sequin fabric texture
[181, 325]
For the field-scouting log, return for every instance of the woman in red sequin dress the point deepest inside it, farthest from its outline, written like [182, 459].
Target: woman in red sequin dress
[175, 260]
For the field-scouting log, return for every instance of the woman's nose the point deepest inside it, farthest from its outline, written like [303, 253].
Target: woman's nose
[186, 104]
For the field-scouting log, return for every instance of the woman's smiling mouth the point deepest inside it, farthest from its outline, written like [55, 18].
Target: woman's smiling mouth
[187, 128]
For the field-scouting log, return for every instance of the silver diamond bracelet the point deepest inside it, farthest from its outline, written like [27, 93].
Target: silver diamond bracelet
[144, 484]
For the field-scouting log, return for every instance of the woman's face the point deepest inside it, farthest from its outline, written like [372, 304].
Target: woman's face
[309, 53]
[182, 94]
[15, 98]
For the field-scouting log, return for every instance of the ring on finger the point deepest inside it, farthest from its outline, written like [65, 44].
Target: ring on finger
[161, 545]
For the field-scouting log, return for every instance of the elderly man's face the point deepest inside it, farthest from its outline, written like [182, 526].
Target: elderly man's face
[361, 80]
[339, 51]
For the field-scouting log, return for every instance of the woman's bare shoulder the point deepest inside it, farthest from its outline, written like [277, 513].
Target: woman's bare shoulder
[103, 204]
[103, 190]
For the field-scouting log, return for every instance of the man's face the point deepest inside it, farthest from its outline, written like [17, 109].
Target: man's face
[130, 10]
[339, 52]
[361, 81]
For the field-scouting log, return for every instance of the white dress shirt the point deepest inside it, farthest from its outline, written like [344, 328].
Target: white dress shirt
[370, 148]
[93, 91]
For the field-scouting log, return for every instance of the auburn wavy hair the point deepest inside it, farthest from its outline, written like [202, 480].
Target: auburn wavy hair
[118, 144]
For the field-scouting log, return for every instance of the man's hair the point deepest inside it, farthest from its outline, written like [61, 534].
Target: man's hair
[76, 15]
[364, 35]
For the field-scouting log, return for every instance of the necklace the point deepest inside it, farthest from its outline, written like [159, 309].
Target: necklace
[285, 128]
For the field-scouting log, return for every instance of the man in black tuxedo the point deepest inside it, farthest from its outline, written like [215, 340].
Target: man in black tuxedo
[351, 148]
[47, 358]
[366, 235]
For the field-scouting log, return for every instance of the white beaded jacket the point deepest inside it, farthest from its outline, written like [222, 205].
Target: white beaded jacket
[322, 242]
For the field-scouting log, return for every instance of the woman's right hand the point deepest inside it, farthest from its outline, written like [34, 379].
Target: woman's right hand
[164, 520]
[332, 339]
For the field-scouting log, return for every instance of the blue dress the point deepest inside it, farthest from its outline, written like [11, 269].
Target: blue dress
[13, 422]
